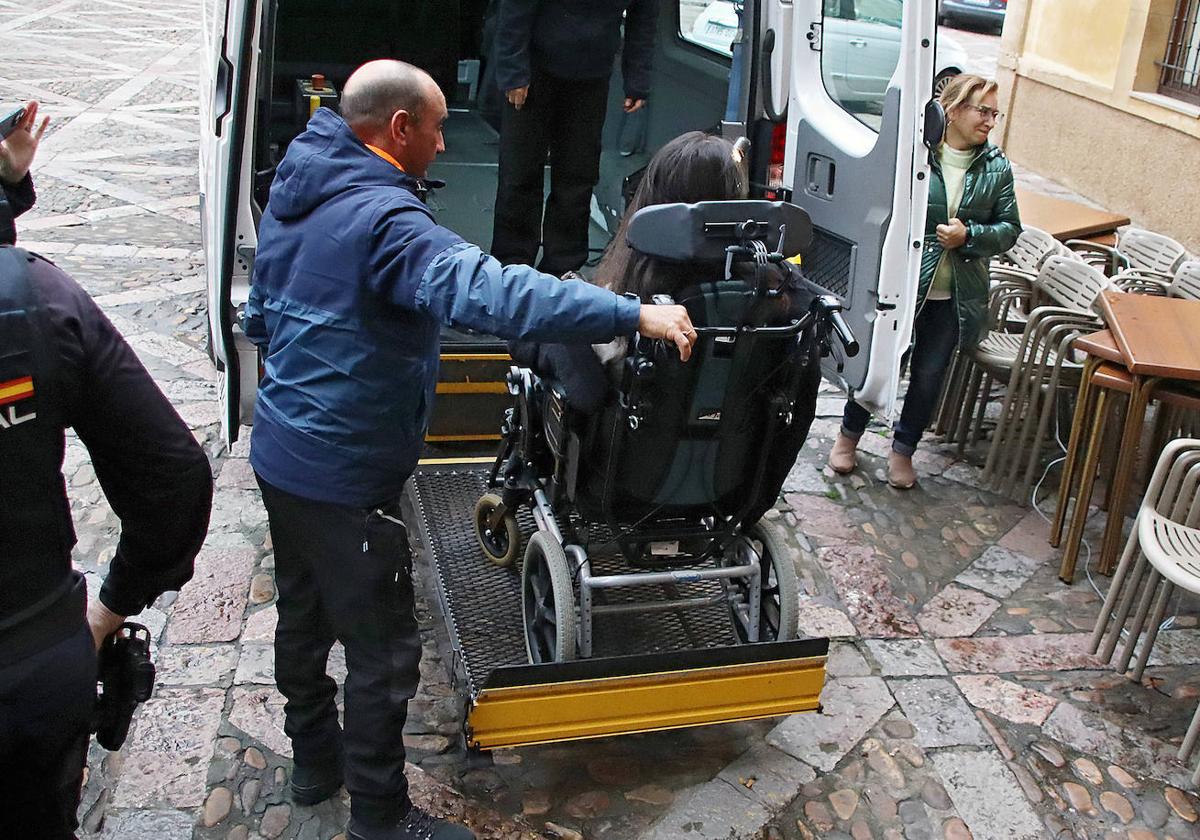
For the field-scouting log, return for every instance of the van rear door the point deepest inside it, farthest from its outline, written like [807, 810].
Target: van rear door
[230, 58]
[855, 160]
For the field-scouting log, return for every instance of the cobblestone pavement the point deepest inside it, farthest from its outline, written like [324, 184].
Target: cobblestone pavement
[960, 700]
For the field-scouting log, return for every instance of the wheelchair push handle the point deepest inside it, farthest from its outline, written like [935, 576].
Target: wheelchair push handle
[830, 310]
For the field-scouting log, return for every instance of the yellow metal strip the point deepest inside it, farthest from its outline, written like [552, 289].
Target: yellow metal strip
[472, 388]
[479, 459]
[476, 357]
[539, 714]
[459, 438]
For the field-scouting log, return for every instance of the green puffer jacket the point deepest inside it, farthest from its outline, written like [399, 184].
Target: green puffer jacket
[989, 210]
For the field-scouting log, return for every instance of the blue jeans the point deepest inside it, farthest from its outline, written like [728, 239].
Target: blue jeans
[934, 338]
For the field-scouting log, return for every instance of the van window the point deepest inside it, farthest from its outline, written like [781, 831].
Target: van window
[712, 25]
[860, 48]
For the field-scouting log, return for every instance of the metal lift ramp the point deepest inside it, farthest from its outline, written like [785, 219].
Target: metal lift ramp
[650, 671]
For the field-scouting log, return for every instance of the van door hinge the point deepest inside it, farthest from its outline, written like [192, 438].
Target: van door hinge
[814, 37]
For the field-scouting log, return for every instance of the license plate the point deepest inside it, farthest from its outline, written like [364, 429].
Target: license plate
[978, 2]
[665, 548]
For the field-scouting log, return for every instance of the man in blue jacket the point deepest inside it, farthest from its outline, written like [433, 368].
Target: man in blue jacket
[352, 280]
[553, 62]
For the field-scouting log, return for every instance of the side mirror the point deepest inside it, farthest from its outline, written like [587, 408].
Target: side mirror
[934, 126]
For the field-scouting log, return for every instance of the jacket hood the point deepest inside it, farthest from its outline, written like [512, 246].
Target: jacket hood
[326, 160]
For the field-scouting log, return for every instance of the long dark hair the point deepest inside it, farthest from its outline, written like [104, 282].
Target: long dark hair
[692, 167]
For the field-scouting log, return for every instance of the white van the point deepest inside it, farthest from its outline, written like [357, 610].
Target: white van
[859, 169]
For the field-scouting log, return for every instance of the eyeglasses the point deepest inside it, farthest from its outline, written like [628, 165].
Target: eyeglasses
[987, 113]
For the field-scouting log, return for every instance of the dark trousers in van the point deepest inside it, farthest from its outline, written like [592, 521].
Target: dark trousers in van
[345, 574]
[47, 700]
[563, 117]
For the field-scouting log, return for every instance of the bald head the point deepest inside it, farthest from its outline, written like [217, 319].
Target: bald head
[378, 89]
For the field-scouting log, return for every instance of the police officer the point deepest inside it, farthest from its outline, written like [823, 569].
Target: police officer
[62, 364]
[16, 156]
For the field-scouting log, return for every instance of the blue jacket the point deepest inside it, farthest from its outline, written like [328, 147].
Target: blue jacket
[352, 280]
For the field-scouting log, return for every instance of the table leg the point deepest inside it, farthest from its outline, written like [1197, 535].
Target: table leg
[1066, 571]
[1073, 447]
[1135, 416]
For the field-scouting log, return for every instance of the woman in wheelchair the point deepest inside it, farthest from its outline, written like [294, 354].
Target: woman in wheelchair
[693, 167]
[663, 466]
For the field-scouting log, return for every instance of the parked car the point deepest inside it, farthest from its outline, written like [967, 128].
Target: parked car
[986, 13]
[860, 46]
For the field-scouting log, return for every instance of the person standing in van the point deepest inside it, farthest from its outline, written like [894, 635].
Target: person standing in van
[353, 279]
[553, 62]
[972, 217]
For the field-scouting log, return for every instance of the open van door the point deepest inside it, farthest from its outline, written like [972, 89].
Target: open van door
[856, 161]
[227, 229]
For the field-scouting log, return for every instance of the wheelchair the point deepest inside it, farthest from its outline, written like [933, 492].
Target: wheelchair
[676, 469]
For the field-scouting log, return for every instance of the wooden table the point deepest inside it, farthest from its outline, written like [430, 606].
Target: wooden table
[1065, 219]
[1159, 340]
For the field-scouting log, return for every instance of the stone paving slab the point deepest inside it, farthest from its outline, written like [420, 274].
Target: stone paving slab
[851, 706]
[938, 711]
[987, 795]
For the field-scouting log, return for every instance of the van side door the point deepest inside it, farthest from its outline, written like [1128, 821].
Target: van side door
[227, 70]
[856, 161]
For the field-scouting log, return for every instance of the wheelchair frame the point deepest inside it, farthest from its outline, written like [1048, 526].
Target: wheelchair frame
[730, 555]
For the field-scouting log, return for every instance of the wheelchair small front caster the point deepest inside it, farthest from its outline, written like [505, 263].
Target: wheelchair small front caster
[501, 543]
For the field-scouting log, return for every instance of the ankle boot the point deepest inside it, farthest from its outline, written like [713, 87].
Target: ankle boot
[843, 457]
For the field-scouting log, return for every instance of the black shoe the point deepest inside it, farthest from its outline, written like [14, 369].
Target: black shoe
[311, 785]
[416, 825]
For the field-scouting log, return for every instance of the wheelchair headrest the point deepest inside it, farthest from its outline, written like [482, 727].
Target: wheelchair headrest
[702, 231]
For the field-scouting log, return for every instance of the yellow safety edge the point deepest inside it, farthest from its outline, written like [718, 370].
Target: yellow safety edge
[476, 357]
[519, 716]
[472, 388]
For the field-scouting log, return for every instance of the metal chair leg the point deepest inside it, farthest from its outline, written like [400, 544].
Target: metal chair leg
[1139, 620]
[1156, 620]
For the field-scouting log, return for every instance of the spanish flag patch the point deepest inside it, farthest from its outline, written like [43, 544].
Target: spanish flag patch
[15, 390]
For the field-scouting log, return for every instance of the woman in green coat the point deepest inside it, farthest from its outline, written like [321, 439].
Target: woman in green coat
[972, 217]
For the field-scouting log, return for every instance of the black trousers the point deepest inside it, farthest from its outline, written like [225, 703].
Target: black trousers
[345, 574]
[563, 117]
[46, 706]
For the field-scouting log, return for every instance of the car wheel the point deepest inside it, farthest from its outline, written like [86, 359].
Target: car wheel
[941, 80]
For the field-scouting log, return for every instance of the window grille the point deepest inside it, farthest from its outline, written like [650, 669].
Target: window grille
[1181, 63]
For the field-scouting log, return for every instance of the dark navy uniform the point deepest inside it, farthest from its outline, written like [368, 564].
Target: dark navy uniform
[564, 52]
[15, 199]
[62, 364]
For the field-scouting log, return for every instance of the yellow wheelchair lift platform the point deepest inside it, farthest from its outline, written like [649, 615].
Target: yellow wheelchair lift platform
[650, 671]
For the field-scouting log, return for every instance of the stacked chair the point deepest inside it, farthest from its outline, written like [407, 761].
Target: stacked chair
[1162, 554]
[1037, 363]
[1137, 249]
[1015, 269]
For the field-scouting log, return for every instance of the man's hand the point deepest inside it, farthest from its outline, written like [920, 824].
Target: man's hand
[517, 96]
[17, 150]
[632, 104]
[952, 235]
[669, 322]
[102, 621]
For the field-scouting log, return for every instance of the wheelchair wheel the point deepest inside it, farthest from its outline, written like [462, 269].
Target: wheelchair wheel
[501, 544]
[779, 586]
[547, 601]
